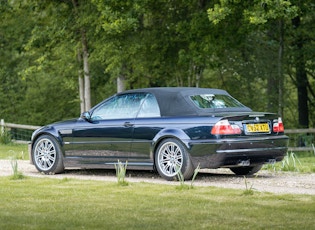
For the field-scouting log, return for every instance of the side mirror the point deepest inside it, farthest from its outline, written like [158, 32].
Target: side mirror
[86, 116]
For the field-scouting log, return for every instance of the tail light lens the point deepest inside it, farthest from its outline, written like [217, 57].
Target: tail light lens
[278, 126]
[224, 127]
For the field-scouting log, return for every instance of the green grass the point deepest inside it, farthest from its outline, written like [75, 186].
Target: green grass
[37, 203]
[12, 150]
[33, 203]
[303, 162]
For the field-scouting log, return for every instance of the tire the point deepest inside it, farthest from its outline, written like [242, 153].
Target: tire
[47, 156]
[246, 171]
[171, 156]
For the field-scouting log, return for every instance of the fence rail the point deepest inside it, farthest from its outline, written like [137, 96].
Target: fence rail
[297, 131]
[302, 139]
[18, 126]
[19, 133]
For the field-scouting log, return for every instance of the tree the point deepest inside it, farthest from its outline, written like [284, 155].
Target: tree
[61, 21]
[259, 51]
[274, 18]
[303, 58]
[84, 84]
[14, 32]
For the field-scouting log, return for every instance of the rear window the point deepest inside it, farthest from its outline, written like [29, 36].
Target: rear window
[207, 101]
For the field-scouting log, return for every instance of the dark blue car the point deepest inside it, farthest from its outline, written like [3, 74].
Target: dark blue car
[166, 129]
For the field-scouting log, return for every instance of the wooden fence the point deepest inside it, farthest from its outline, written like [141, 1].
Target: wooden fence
[18, 126]
[26, 130]
[302, 139]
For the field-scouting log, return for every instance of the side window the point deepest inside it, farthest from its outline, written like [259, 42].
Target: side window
[149, 107]
[119, 107]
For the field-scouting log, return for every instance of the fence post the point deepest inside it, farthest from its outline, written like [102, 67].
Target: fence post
[2, 127]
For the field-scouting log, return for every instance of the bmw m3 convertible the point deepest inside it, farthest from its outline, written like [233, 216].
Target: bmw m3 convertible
[170, 129]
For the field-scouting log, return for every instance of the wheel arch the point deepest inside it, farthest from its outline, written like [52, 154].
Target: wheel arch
[51, 132]
[178, 134]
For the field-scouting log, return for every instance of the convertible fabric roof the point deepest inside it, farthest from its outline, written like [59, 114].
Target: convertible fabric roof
[175, 101]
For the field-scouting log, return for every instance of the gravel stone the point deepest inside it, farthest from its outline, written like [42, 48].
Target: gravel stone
[263, 181]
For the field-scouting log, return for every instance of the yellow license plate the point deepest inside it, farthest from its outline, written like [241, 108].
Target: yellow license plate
[258, 128]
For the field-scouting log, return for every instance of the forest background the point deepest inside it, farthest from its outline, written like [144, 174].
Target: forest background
[60, 57]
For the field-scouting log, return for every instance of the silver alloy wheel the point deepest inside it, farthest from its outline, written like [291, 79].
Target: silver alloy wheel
[170, 159]
[45, 154]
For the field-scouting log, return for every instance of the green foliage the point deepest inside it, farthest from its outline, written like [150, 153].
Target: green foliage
[232, 45]
[218, 13]
[266, 27]
[5, 136]
[121, 169]
[269, 10]
[17, 175]
[291, 162]
[180, 177]
[302, 162]
[196, 171]
[248, 187]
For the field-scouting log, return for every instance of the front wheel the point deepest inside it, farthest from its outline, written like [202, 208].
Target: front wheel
[248, 170]
[47, 155]
[171, 158]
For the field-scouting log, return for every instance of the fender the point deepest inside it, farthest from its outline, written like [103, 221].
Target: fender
[170, 133]
[49, 130]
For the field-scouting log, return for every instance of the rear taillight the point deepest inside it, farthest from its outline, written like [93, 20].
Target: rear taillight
[224, 127]
[278, 126]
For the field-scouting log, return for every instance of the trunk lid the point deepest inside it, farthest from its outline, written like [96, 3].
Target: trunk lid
[253, 123]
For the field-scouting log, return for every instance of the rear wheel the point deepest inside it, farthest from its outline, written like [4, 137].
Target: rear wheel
[47, 155]
[172, 157]
[248, 170]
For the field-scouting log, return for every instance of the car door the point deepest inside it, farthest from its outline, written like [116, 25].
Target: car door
[146, 125]
[106, 136]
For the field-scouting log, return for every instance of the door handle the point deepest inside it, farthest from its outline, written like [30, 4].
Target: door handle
[128, 124]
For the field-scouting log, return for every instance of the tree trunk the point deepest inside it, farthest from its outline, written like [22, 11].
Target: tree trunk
[121, 83]
[280, 69]
[81, 84]
[81, 90]
[272, 92]
[85, 55]
[301, 77]
[87, 84]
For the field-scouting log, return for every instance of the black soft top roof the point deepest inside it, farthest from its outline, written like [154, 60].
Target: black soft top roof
[175, 101]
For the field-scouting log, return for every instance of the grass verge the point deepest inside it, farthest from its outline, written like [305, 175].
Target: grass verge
[303, 162]
[13, 150]
[37, 203]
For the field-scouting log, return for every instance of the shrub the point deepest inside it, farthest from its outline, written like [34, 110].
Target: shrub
[248, 187]
[290, 163]
[17, 175]
[5, 137]
[181, 179]
[121, 173]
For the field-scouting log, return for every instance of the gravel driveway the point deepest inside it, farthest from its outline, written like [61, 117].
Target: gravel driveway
[263, 181]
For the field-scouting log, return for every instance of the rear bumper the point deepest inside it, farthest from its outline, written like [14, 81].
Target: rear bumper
[238, 152]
